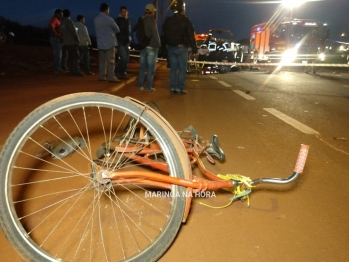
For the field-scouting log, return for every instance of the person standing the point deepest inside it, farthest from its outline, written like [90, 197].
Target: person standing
[106, 29]
[85, 42]
[56, 39]
[71, 42]
[64, 58]
[149, 54]
[312, 44]
[178, 36]
[124, 39]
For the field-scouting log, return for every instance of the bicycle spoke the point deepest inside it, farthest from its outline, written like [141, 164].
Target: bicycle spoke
[57, 186]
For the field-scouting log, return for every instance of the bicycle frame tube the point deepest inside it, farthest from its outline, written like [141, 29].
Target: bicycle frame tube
[164, 181]
[197, 184]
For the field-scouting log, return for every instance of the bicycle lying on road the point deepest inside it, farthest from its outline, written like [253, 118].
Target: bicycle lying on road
[80, 177]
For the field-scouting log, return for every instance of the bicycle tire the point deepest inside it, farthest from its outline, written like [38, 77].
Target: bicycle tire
[46, 218]
[154, 106]
[3, 37]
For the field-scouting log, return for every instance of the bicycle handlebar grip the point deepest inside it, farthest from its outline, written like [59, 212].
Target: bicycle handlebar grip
[302, 157]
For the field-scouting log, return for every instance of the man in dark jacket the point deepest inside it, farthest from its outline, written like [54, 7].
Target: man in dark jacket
[178, 36]
[124, 39]
[71, 41]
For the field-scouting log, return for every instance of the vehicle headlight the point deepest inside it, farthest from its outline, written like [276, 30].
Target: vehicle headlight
[321, 57]
[289, 56]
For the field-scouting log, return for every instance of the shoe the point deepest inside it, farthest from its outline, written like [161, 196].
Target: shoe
[173, 92]
[114, 80]
[102, 79]
[140, 88]
[89, 73]
[182, 92]
[77, 74]
[58, 70]
[150, 89]
[124, 77]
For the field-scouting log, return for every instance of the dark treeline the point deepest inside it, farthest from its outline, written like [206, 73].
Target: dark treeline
[27, 34]
[24, 34]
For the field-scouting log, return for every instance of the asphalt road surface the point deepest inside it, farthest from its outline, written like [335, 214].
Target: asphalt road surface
[261, 119]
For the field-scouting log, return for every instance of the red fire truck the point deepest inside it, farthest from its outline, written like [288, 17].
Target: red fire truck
[292, 40]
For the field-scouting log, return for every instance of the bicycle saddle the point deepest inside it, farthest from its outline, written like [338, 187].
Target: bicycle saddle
[214, 150]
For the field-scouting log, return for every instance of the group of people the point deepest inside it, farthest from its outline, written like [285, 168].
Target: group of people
[70, 42]
[177, 37]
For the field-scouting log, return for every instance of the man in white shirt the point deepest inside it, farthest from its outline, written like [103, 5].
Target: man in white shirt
[85, 42]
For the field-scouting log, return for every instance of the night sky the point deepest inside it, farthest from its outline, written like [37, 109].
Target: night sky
[236, 16]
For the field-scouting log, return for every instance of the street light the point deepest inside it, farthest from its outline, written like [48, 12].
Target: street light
[292, 4]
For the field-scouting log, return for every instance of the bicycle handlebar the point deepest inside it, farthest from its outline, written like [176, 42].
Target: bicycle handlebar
[302, 157]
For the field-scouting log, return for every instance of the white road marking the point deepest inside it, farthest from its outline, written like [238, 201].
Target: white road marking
[293, 122]
[244, 95]
[213, 77]
[224, 83]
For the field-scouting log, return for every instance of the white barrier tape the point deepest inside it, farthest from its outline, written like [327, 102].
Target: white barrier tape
[265, 64]
[161, 59]
[250, 64]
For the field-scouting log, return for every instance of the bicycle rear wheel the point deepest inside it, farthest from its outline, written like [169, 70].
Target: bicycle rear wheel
[53, 205]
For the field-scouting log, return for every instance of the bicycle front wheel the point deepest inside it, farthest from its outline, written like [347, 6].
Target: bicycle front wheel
[53, 204]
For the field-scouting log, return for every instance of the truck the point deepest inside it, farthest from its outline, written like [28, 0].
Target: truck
[291, 40]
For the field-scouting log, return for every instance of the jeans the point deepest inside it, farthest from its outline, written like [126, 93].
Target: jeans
[178, 58]
[124, 54]
[85, 58]
[64, 58]
[107, 63]
[57, 45]
[147, 63]
[73, 59]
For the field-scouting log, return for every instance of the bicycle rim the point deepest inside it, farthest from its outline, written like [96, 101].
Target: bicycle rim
[53, 204]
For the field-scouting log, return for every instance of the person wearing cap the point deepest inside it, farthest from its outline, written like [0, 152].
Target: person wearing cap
[106, 30]
[178, 52]
[149, 54]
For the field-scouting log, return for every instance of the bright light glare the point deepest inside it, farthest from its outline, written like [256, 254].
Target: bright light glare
[322, 57]
[289, 56]
[292, 3]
